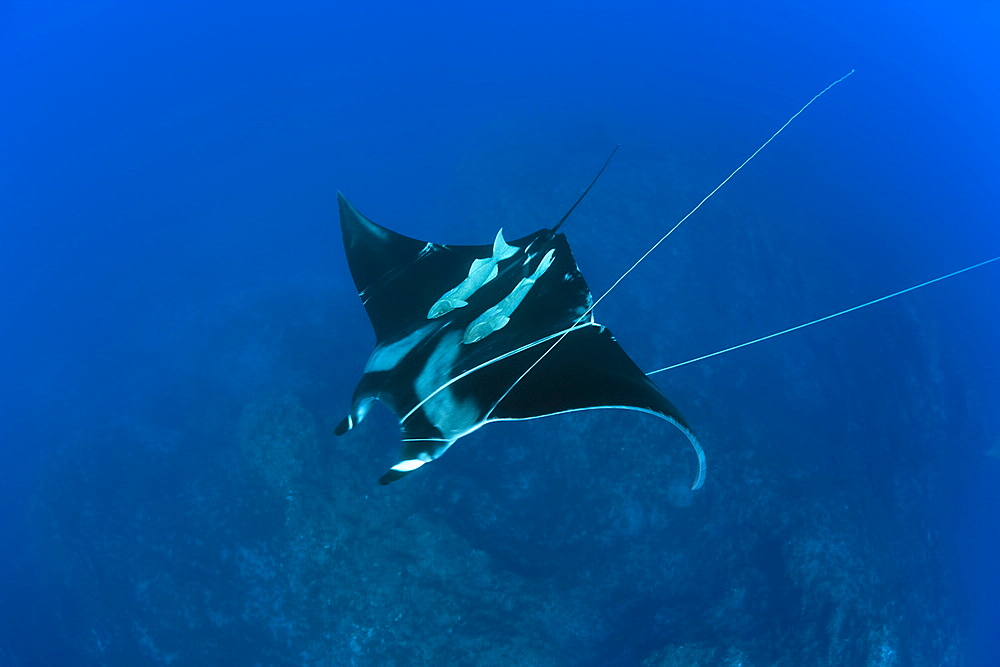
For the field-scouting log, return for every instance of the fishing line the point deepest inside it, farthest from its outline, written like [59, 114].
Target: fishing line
[665, 236]
[717, 188]
[825, 318]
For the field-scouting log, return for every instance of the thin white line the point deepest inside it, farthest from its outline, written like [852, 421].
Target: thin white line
[719, 186]
[458, 377]
[825, 318]
[674, 228]
[699, 479]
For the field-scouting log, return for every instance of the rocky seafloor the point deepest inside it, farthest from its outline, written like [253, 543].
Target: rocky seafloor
[220, 522]
[571, 541]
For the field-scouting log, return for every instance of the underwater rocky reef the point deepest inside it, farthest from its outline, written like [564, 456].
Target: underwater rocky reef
[248, 534]
[218, 520]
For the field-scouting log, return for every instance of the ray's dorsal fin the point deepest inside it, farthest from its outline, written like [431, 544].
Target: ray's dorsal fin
[556, 227]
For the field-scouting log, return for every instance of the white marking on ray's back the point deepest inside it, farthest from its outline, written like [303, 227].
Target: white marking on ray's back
[444, 386]
[386, 357]
[451, 415]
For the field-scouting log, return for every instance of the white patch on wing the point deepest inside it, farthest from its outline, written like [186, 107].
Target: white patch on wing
[379, 232]
[409, 465]
[492, 361]
[443, 408]
[386, 357]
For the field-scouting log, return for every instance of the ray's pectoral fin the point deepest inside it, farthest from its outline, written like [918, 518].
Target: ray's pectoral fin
[589, 370]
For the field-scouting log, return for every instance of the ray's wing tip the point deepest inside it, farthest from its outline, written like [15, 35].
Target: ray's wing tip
[391, 476]
[342, 202]
[347, 211]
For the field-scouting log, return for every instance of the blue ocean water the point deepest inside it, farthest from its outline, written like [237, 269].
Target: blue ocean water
[181, 334]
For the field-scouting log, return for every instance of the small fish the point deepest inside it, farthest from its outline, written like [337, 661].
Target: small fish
[481, 272]
[498, 316]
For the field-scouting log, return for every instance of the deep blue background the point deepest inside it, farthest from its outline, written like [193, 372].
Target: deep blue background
[159, 164]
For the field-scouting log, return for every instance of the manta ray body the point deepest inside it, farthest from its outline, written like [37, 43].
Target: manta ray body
[467, 335]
